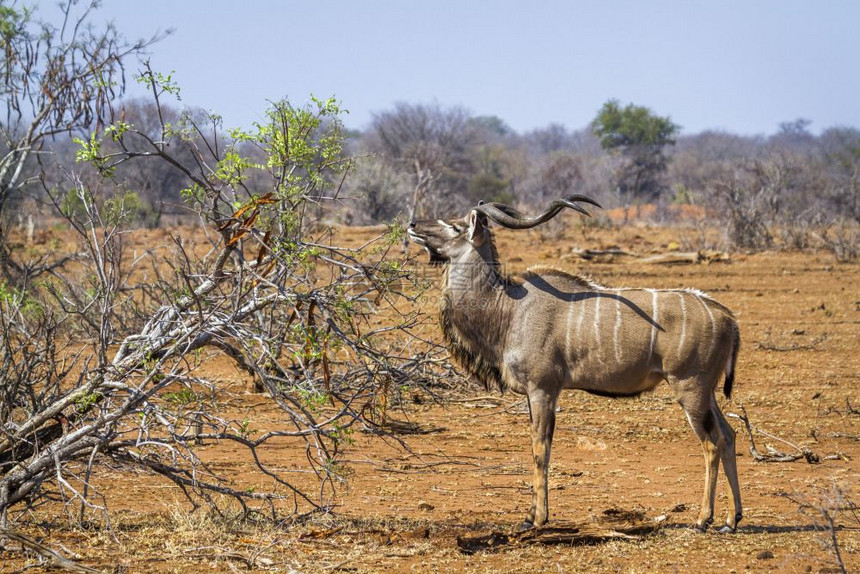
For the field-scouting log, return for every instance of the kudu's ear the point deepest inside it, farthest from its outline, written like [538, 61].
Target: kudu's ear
[477, 228]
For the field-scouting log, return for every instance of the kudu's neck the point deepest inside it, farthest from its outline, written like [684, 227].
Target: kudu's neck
[475, 273]
[473, 313]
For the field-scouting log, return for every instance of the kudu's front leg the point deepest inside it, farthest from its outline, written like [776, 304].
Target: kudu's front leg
[542, 417]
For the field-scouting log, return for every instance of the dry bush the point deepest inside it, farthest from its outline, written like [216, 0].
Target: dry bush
[747, 216]
[271, 291]
[842, 238]
[829, 509]
[797, 236]
[701, 237]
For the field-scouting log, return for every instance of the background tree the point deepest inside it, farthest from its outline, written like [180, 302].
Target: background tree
[429, 143]
[840, 153]
[639, 137]
[491, 161]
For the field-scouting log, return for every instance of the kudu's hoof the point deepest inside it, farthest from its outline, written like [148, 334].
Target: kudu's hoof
[523, 526]
[703, 527]
[728, 528]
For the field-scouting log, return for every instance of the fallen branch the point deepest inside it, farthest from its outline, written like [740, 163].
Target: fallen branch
[687, 257]
[768, 346]
[401, 427]
[599, 255]
[488, 398]
[613, 524]
[672, 258]
[485, 402]
[843, 435]
[849, 409]
[773, 455]
[54, 558]
[216, 553]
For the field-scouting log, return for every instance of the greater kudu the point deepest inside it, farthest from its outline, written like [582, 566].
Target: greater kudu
[547, 330]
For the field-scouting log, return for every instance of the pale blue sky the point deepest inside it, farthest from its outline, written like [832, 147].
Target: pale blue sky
[742, 66]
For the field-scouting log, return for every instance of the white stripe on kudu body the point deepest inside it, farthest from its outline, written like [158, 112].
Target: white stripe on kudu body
[581, 304]
[617, 326]
[598, 339]
[567, 344]
[713, 340]
[683, 337]
[654, 322]
[519, 332]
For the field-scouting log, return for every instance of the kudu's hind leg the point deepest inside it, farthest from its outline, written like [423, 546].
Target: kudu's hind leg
[697, 406]
[729, 457]
[542, 417]
[704, 429]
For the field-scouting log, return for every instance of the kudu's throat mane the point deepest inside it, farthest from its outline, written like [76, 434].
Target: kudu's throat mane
[464, 320]
[471, 359]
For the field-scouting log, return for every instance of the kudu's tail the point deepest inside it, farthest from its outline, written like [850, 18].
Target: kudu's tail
[731, 363]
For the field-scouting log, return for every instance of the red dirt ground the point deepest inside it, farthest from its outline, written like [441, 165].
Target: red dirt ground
[798, 377]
